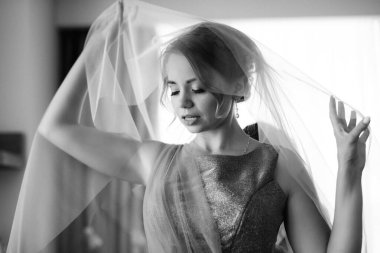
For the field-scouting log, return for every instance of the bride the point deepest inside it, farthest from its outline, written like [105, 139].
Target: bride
[227, 189]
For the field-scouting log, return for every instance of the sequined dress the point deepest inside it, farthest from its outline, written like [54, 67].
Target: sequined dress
[233, 202]
[245, 201]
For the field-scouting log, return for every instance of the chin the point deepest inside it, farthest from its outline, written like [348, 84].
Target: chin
[194, 129]
[200, 127]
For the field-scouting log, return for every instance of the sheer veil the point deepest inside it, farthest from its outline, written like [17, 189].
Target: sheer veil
[63, 201]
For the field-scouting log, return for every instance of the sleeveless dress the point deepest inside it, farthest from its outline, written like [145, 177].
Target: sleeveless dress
[245, 202]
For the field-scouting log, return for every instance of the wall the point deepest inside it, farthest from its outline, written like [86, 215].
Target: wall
[27, 78]
[272, 8]
[73, 12]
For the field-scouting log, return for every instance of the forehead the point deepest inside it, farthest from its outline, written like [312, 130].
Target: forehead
[178, 67]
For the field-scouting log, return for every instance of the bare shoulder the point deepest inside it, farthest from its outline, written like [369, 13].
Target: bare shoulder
[146, 151]
[290, 171]
[144, 158]
[153, 147]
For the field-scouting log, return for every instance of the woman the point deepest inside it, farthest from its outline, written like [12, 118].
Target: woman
[223, 191]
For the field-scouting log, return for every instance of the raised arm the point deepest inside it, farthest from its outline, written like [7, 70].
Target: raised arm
[107, 153]
[351, 140]
[307, 230]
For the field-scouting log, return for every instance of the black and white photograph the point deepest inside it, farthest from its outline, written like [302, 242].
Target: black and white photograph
[173, 126]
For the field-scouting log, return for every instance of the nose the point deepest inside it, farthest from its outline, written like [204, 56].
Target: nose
[186, 101]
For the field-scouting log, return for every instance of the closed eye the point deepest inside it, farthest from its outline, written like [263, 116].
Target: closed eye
[198, 90]
[173, 93]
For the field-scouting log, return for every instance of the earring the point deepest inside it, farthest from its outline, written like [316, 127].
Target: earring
[236, 109]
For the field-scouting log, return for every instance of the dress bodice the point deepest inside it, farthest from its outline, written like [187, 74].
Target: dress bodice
[245, 201]
[197, 201]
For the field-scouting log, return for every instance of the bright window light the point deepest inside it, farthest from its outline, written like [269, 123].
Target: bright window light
[341, 54]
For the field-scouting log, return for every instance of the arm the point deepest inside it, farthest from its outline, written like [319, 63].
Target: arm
[307, 230]
[351, 140]
[107, 153]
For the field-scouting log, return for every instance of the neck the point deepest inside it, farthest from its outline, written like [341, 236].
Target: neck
[226, 138]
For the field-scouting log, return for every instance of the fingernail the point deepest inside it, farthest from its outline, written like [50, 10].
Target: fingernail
[366, 120]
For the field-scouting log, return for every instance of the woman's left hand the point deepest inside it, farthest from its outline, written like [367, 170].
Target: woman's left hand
[350, 138]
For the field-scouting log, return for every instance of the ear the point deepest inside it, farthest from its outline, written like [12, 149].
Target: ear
[237, 99]
[225, 105]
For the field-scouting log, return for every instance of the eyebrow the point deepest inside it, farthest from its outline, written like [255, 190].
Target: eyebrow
[187, 82]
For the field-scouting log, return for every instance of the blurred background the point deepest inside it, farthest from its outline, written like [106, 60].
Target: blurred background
[336, 42]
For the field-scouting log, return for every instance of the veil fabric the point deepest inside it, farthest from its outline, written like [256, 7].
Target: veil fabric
[63, 201]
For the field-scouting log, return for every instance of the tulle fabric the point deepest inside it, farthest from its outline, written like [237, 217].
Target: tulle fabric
[124, 79]
[176, 208]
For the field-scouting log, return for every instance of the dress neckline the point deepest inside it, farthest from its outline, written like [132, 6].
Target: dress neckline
[195, 150]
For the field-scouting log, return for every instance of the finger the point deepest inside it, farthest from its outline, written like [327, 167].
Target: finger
[352, 123]
[363, 138]
[342, 115]
[363, 125]
[333, 114]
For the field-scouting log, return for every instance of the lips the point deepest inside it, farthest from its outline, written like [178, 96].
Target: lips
[190, 119]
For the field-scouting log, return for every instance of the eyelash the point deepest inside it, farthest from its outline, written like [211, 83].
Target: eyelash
[197, 91]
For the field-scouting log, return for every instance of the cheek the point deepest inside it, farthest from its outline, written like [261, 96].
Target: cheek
[209, 106]
[174, 105]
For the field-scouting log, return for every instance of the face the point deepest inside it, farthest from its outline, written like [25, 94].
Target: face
[192, 103]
